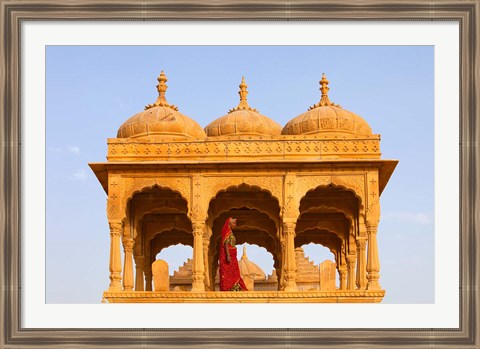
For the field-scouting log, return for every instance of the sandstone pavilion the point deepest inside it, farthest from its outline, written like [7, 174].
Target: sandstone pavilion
[316, 180]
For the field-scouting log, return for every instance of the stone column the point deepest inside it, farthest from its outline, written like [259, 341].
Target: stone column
[128, 264]
[361, 263]
[115, 264]
[198, 267]
[373, 264]
[351, 260]
[290, 265]
[206, 273]
[283, 266]
[342, 271]
[139, 280]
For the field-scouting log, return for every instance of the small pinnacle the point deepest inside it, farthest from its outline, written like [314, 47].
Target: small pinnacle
[243, 105]
[324, 100]
[161, 88]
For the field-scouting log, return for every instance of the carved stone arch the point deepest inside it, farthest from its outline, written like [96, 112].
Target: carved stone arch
[142, 209]
[348, 215]
[270, 248]
[166, 226]
[331, 246]
[180, 185]
[216, 185]
[236, 204]
[331, 227]
[168, 238]
[352, 183]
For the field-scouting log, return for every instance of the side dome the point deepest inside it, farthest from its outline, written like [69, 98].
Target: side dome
[247, 267]
[161, 119]
[327, 118]
[243, 120]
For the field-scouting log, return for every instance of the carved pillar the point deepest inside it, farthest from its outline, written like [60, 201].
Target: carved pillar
[361, 263]
[206, 281]
[290, 265]
[115, 264]
[342, 271]
[128, 264]
[351, 260]
[283, 266]
[373, 264]
[198, 267]
[139, 280]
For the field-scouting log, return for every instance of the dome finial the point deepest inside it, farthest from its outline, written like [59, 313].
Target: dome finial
[244, 255]
[243, 105]
[324, 101]
[161, 88]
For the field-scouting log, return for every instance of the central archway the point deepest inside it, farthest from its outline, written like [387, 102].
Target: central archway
[258, 221]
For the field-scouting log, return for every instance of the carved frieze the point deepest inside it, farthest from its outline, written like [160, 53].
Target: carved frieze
[283, 147]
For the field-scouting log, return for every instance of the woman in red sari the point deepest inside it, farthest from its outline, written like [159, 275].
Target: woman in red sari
[230, 279]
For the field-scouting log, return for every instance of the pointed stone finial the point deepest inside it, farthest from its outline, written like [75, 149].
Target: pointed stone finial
[244, 255]
[324, 100]
[161, 88]
[243, 105]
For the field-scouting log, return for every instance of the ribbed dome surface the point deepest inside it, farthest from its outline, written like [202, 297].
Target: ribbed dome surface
[327, 118]
[161, 119]
[243, 120]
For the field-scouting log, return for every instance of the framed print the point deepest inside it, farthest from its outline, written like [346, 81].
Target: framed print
[71, 74]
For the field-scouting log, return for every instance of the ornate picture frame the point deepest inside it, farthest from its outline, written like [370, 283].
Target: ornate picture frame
[14, 13]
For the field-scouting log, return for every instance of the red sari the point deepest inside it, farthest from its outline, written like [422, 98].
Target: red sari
[230, 279]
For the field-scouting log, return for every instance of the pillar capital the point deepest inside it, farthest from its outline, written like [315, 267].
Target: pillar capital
[351, 259]
[115, 226]
[198, 227]
[128, 244]
[361, 243]
[289, 227]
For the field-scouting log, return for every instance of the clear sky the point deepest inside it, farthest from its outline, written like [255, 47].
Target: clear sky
[92, 90]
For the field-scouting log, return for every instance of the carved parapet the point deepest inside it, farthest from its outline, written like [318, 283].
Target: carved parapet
[280, 147]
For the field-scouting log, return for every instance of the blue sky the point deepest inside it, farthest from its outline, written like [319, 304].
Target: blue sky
[92, 90]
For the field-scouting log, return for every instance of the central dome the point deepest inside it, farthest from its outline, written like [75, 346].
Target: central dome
[327, 118]
[161, 120]
[243, 120]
